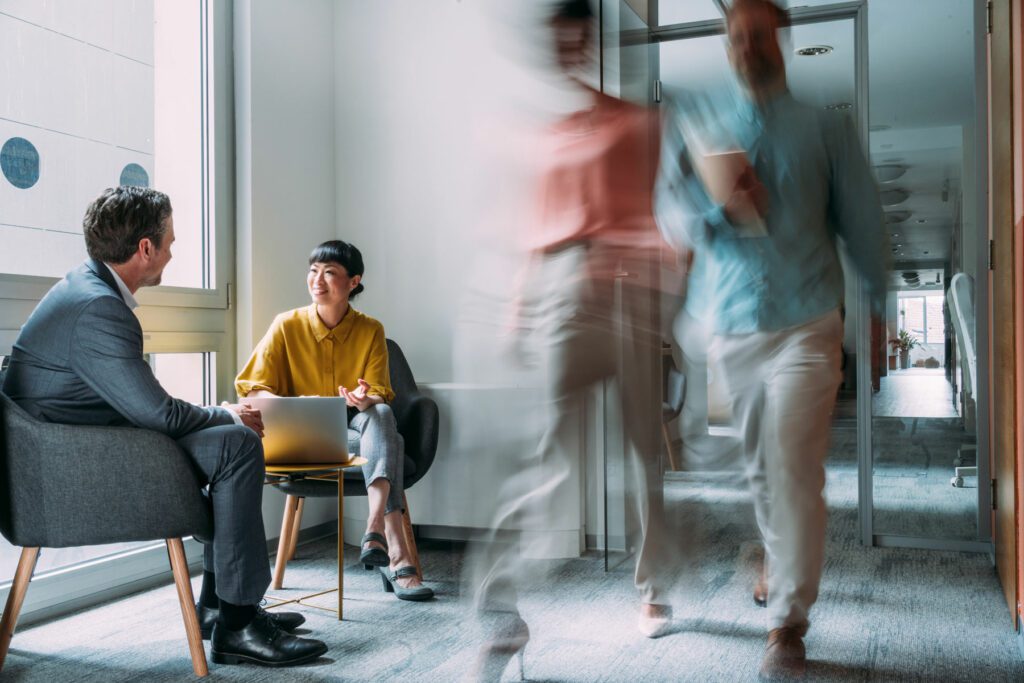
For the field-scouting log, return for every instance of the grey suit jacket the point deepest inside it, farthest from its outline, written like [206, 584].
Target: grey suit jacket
[78, 360]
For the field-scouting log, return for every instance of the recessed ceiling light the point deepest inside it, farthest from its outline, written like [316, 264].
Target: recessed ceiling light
[895, 234]
[839, 106]
[886, 173]
[814, 50]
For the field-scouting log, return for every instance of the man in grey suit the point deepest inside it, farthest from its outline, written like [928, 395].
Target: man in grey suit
[78, 360]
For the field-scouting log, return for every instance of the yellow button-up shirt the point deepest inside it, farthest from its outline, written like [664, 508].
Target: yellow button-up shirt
[300, 356]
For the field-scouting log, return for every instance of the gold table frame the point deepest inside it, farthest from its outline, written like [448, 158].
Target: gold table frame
[286, 544]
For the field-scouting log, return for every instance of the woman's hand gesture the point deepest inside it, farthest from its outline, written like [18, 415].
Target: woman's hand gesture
[358, 397]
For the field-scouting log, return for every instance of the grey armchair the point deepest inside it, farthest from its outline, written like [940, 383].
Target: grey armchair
[63, 486]
[418, 420]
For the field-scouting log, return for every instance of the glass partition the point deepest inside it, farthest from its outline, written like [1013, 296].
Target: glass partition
[923, 408]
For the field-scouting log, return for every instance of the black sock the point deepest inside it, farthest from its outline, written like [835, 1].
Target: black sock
[236, 617]
[208, 594]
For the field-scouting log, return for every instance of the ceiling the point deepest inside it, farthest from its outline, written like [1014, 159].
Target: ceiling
[921, 93]
[686, 11]
[928, 279]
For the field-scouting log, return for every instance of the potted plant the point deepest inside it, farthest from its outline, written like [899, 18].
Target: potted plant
[903, 343]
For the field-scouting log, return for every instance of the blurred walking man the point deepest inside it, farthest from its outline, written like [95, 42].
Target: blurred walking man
[775, 285]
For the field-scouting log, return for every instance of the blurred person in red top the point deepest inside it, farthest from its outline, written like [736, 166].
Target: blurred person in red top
[587, 309]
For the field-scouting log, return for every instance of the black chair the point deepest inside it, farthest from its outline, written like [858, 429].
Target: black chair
[63, 486]
[418, 421]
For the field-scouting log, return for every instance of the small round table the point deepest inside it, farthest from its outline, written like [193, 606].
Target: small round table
[290, 533]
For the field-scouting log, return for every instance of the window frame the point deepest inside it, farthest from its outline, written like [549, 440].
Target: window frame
[923, 298]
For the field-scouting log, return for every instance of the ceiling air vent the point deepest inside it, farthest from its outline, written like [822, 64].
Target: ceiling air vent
[814, 50]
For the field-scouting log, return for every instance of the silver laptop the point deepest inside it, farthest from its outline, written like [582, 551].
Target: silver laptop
[305, 430]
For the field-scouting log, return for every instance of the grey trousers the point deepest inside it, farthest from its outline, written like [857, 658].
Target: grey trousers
[582, 333]
[229, 460]
[373, 434]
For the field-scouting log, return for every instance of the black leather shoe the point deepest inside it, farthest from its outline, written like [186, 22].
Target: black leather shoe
[263, 643]
[286, 621]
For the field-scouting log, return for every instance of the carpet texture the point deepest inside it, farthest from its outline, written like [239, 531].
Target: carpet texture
[883, 615]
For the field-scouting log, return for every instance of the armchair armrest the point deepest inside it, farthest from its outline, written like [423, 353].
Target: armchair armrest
[418, 422]
[83, 485]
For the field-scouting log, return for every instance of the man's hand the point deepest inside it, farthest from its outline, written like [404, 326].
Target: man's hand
[251, 417]
[359, 397]
[749, 199]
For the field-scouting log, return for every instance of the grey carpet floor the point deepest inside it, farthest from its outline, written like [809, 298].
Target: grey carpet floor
[912, 470]
[883, 615]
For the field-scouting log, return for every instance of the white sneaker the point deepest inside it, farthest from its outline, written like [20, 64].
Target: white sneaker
[654, 626]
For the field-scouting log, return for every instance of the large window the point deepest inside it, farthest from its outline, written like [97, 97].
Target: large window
[922, 318]
[95, 95]
[98, 95]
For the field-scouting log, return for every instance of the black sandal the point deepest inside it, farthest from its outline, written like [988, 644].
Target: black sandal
[374, 556]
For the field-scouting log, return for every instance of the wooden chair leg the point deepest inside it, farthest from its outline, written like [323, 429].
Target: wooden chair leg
[179, 567]
[284, 540]
[15, 599]
[410, 538]
[296, 527]
[668, 448]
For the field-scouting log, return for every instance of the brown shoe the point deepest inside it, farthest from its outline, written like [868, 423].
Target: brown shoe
[785, 658]
[761, 587]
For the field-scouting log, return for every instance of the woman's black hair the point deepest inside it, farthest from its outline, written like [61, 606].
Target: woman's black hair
[345, 255]
[572, 9]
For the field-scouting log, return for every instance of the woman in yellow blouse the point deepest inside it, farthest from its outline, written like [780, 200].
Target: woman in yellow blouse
[329, 348]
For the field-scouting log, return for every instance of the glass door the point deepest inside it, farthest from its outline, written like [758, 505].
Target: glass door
[692, 58]
[927, 147]
[906, 455]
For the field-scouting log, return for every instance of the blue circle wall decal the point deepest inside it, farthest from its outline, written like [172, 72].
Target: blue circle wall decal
[133, 174]
[19, 161]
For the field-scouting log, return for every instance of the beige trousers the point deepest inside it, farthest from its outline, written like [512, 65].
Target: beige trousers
[585, 329]
[783, 388]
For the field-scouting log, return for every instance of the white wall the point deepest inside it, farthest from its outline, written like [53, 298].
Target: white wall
[431, 97]
[405, 77]
[284, 102]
